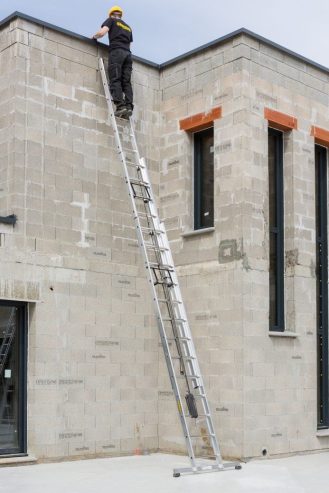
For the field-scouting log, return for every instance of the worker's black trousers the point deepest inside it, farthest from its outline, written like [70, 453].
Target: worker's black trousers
[120, 68]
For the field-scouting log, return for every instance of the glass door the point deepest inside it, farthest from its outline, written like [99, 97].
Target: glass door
[12, 378]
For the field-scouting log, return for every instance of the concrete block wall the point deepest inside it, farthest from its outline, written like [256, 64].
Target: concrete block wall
[268, 387]
[97, 382]
[93, 346]
[280, 373]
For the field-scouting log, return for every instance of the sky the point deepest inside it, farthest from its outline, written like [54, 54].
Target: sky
[165, 29]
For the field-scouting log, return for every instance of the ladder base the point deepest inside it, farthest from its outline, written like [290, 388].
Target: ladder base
[206, 468]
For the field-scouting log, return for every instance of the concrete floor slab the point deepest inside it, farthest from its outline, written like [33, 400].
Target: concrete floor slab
[153, 474]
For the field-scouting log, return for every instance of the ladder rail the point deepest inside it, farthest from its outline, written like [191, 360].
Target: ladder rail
[7, 340]
[148, 268]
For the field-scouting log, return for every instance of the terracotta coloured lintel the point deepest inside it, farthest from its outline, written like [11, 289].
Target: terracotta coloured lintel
[200, 121]
[321, 136]
[279, 120]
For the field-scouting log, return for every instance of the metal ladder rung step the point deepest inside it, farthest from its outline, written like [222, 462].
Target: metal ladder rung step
[144, 215]
[156, 247]
[180, 338]
[190, 377]
[180, 320]
[142, 197]
[186, 358]
[166, 282]
[139, 183]
[208, 435]
[177, 302]
[125, 149]
[121, 119]
[156, 266]
[152, 231]
[199, 416]
[183, 339]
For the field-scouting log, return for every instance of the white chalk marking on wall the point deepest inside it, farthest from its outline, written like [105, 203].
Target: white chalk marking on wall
[83, 243]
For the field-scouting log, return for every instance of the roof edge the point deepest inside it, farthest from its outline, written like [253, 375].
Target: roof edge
[179, 58]
[39, 22]
[251, 34]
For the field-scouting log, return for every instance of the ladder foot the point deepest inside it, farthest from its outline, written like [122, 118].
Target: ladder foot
[176, 474]
[238, 467]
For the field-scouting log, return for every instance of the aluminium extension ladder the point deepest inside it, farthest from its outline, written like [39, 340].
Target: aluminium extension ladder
[175, 334]
[7, 340]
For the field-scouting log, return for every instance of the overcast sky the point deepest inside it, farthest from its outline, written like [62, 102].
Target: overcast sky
[164, 29]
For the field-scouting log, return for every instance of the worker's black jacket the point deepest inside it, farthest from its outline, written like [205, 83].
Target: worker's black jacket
[120, 34]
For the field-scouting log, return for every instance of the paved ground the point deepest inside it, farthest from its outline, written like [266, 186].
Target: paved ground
[153, 474]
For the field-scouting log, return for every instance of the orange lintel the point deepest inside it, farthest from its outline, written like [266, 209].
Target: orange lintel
[200, 121]
[281, 121]
[321, 136]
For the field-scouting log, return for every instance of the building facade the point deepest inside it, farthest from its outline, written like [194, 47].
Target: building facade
[235, 135]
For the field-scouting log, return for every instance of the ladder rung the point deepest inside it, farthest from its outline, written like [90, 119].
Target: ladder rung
[131, 164]
[151, 230]
[165, 283]
[160, 300]
[190, 377]
[154, 265]
[199, 416]
[125, 149]
[203, 436]
[151, 246]
[145, 199]
[184, 339]
[144, 215]
[139, 183]
[171, 319]
[187, 358]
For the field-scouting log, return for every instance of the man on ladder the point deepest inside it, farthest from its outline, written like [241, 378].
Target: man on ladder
[120, 61]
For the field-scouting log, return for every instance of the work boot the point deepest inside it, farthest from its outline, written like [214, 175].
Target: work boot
[129, 112]
[120, 112]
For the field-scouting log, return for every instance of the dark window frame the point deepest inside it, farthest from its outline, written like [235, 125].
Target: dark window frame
[22, 422]
[321, 194]
[276, 232]
[199, 221]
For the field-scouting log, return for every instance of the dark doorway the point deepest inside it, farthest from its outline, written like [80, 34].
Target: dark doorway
[13, 351]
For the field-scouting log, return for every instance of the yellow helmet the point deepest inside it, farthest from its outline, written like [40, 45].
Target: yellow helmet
[115, 8]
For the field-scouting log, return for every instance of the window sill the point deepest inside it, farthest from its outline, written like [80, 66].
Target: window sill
[198, 232]
[322, 433]
[274, 333]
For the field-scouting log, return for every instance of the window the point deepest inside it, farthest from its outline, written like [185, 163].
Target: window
[204, 179]
[322, 284]
[276, 230]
